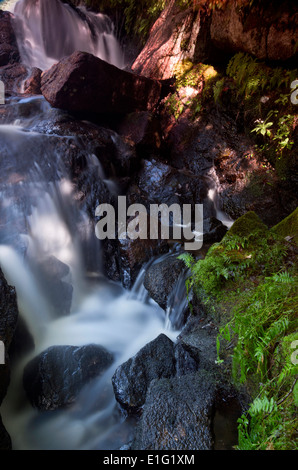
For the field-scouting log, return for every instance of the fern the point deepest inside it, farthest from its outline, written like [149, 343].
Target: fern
[261, 406]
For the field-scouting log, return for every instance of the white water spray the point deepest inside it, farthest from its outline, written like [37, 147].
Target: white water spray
[49, 30]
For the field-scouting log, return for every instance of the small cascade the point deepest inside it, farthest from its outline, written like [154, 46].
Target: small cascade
[43, 239]
[46, 238]
[177, 303]
[213, 195]
[49, 30]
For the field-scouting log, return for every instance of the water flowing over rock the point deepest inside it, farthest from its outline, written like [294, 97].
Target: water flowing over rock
[160, 279]
[8, 322]
[48, 31]
[83, 82]
[133, 254]
[54, 378]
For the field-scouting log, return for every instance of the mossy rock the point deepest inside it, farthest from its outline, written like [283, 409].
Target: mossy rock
[247, 224]
[288, 227]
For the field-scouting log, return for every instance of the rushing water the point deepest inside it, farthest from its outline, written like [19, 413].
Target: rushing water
[48, 30]
[40, 222]
[41, 226]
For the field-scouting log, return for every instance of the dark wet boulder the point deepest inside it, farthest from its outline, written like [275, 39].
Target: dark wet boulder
[143, 129]
[198, 338]
[9, 52]
[185, 363]
[266, 30]
[32, 83]
[8, 322]
[177, 414]
[161, 277]
[85, 83]
[54, 378]
[160, 183]
[54, 274]
[132, 379]
[5, 440]
[115, 153]
[13, 76]
[214, 230]
[133, 254]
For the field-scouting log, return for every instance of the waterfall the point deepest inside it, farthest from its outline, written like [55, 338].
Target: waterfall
[44, 235]
[49, 30]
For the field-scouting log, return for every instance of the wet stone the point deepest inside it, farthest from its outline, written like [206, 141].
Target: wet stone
[54, 378]
[132, 379]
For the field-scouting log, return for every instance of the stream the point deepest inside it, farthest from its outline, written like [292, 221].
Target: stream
[43, 226]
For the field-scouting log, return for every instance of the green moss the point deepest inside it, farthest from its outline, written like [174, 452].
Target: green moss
[248, 284]
[288, 227]
[136, 16]
[248, 224]
[199, 77]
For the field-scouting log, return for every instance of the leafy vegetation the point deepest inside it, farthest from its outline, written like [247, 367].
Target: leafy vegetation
[137, 17]
[264, 95]
[209, 5]
[199, 77]
[248, 282]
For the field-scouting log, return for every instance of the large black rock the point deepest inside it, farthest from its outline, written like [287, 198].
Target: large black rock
[83, 82]
[177, 414]
[161, 277]
[132, 379]
[54, 378]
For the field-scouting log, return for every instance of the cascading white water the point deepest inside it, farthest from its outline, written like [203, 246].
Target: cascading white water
[35, 207]
[213, 196]
[49, 30]
[40, 224]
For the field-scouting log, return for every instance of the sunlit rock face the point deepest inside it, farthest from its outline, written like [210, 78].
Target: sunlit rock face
[172, 39]
[177, 35]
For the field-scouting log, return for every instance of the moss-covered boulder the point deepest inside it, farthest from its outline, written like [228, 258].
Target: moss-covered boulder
[288, 227]
[247, 224]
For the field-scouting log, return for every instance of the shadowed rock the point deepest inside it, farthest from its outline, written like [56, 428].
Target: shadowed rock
[132, 379]
[54, 378]
[177, 414]
[9, 52]
[160, 279]
[85, 83]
